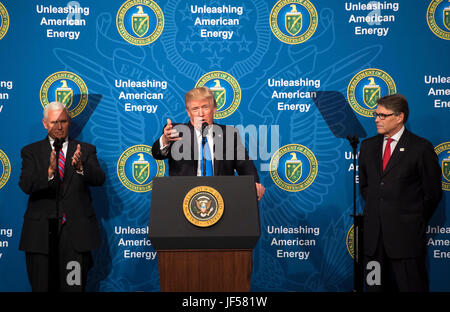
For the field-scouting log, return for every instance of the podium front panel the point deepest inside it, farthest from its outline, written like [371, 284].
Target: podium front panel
[238, 227]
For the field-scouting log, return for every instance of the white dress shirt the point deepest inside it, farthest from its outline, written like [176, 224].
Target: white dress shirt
[198, 134]
[396, 137]
[64, 149]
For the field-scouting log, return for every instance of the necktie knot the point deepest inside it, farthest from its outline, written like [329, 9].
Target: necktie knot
[387, 152]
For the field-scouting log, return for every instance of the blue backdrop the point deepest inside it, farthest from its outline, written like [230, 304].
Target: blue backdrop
[124, 67]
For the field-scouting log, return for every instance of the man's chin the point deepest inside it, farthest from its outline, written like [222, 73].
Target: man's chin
[198, 124]
[61, 137]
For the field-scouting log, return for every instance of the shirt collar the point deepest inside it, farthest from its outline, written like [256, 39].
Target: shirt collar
[198, 133]
[396, 137]
[51, 140]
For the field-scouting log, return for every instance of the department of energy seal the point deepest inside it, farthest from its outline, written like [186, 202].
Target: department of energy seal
[350, 242]
[438, 18]
[136, 168]
[4, 21]
[366, 87]
[293, 167]
[443, 153]
[203, 206]
[293, 21]
[67, 88]
[140, 22]
[226, 89]
[5, 170]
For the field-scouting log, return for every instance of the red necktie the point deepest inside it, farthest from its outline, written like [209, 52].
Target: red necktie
[387, 153]
[61, 162]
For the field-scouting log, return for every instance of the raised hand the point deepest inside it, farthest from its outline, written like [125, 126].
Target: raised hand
[76, 159]
[170, 134]
[53, 165]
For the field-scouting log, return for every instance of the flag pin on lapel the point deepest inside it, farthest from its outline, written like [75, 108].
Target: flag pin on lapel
[402, 149]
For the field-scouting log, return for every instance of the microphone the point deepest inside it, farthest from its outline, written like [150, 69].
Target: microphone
[57, 144]
[204, 126]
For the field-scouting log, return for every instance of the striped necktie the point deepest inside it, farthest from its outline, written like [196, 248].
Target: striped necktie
[61, 161]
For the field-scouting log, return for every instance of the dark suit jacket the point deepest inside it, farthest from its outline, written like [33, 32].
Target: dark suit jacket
[399, 201]
[75, 197]
[229, 153]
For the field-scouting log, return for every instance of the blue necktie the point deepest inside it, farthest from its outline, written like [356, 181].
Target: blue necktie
[209, 168]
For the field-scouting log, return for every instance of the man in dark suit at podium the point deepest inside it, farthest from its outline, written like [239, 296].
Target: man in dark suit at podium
[400, 181]
[78, 229]
[200, 140]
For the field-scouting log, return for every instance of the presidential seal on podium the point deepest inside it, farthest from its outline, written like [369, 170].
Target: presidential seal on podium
[203, 206]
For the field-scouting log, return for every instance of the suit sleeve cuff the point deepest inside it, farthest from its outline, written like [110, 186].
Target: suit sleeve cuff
[164, 149]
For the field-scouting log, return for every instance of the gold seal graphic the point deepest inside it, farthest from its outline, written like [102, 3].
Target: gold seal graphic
[203, 206]
[55, 88]
[4, 21]
[350, 242]
[136, 26]
[444, 149]
[5, 169]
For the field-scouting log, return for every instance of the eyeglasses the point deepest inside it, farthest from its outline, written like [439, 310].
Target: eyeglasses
[382, 116]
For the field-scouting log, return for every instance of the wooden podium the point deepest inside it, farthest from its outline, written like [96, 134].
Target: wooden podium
[205, 270]
[217, 257]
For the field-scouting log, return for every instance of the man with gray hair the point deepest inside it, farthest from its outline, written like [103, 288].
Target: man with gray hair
[75, 170]
[400, 181]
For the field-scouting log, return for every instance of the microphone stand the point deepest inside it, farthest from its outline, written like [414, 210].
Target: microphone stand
[358, 267]
[53, 229]
[204, 126]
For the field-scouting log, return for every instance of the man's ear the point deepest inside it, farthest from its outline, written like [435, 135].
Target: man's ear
[402, 116]
[44, 123]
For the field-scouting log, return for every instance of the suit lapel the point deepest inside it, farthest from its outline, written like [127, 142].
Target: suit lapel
[190, 140]
[379, 152]
[194, 150]
[398, 152]
[218, 149]
[68, 168]
[46, 149]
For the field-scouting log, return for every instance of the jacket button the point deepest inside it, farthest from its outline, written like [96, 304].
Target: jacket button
[382, 183]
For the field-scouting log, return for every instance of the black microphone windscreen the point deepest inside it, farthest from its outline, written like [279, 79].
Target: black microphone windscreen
[204, 126]
[57, 144]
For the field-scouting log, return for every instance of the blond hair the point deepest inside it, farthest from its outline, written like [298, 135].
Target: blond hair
[199, 94]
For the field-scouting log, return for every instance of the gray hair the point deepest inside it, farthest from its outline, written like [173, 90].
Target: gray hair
[55, 106]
